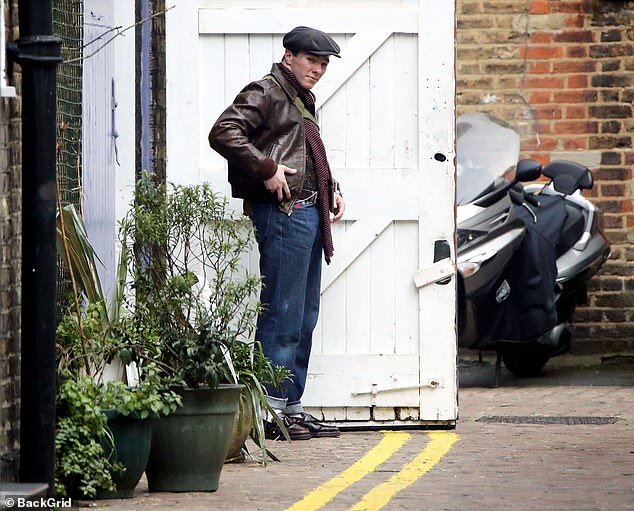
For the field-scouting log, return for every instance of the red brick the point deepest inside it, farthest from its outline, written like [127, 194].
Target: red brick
[540, 37]
[578, 81]
[548, 112]
[613, 190]
[544, 82]
[574, 36]
[574, 21]
[540, 157]
[577, 52]
[543, 144]
[539, 97]
[575, 66]
[542, 52]
[568, 6]
[539, 7]
[575, 112]
[539, 67]
[575, 96]
[576, 127]
[545, 126]
[571, 144]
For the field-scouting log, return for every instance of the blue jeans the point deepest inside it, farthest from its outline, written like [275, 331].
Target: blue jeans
[290, 264]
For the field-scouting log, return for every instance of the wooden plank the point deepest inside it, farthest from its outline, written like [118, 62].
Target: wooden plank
[358, 118]
[382, 305]
[406, 295]
[262, 54]
[358, 300]
[212, 101]
[332, 119]
[436, 106]
[361, 234]
[341, 20]
[354, 54]
[98, 125]
[380, 192]
[382, 119]
[182, 94]
[334, 321]
[406, 100]
[236, 70]
[336, 380]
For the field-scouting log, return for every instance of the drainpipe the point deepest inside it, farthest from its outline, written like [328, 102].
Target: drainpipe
[143, 90]
[38, 54]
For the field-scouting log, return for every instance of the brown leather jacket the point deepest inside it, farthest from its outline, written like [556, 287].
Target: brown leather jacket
[259, 130]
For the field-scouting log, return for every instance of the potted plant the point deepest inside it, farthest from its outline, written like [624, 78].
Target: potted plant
[186, 252]
[254, 370]
[102, 440]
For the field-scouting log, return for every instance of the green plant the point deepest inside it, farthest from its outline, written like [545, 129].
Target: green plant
[84, 349]
[251, 368]
[185, 252]
[90, 336]
[82, 466]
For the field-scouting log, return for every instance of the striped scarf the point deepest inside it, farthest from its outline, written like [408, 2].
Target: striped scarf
[322, 168]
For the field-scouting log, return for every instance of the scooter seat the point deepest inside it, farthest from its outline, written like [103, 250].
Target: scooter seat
[572, 229]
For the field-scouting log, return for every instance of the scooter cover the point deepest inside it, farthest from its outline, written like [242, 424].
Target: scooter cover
[521, 305]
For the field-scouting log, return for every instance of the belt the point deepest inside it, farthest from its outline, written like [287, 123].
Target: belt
[305, 196]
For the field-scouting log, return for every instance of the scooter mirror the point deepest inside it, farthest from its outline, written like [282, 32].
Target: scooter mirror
[528, 170]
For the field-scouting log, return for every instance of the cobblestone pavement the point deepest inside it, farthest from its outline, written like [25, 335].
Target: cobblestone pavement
[522, 446]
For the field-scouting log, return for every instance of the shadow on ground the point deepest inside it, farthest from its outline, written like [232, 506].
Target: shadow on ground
[608, 370]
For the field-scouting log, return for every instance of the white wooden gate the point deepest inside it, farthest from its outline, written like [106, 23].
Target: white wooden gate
[385, 347]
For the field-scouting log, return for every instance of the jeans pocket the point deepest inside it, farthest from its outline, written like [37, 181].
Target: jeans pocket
[261, 218]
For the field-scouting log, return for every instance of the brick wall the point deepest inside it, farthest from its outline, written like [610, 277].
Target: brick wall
[562, 71]
[10, 247]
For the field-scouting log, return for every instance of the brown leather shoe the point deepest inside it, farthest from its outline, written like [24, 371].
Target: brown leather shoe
[317, 428]
[296, 430]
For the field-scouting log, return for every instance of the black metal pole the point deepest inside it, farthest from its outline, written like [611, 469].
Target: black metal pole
[38, 53]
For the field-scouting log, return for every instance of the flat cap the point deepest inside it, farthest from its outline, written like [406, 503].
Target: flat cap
[310, 40]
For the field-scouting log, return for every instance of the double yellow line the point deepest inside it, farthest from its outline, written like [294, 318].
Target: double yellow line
[439, 444]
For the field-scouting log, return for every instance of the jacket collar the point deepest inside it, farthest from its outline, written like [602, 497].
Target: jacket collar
[290, 91]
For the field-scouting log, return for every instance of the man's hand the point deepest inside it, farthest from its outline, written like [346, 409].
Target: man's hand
[340, 207]
[277, 184]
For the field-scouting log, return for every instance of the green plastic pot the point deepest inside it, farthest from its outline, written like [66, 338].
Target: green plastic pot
[190, 445]
[131, 448]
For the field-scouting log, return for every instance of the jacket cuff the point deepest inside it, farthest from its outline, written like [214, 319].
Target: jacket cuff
[267, 168]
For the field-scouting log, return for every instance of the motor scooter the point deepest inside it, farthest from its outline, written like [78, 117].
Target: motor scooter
[528, 242]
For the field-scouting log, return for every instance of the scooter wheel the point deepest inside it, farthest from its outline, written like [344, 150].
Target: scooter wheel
[525, 360]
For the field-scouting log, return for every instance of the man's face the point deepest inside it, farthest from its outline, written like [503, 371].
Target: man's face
[307, 67]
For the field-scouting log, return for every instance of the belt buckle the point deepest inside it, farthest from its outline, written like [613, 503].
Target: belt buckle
[312, 198]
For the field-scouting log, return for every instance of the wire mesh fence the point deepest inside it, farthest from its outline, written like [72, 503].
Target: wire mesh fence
[68, 26]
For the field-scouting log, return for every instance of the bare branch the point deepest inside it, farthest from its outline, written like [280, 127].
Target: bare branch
[109, 40]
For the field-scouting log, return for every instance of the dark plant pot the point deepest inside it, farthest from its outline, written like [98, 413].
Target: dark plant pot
[132, 438]
[190, 445]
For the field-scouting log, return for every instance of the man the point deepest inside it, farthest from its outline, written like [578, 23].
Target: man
[277, 164]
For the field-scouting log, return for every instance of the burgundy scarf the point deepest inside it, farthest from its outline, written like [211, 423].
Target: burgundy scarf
[322, 169]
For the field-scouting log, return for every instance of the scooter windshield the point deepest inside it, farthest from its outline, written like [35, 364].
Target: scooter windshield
[487, 148]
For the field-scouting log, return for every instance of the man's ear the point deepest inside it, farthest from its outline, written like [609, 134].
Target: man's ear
[287, 57]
